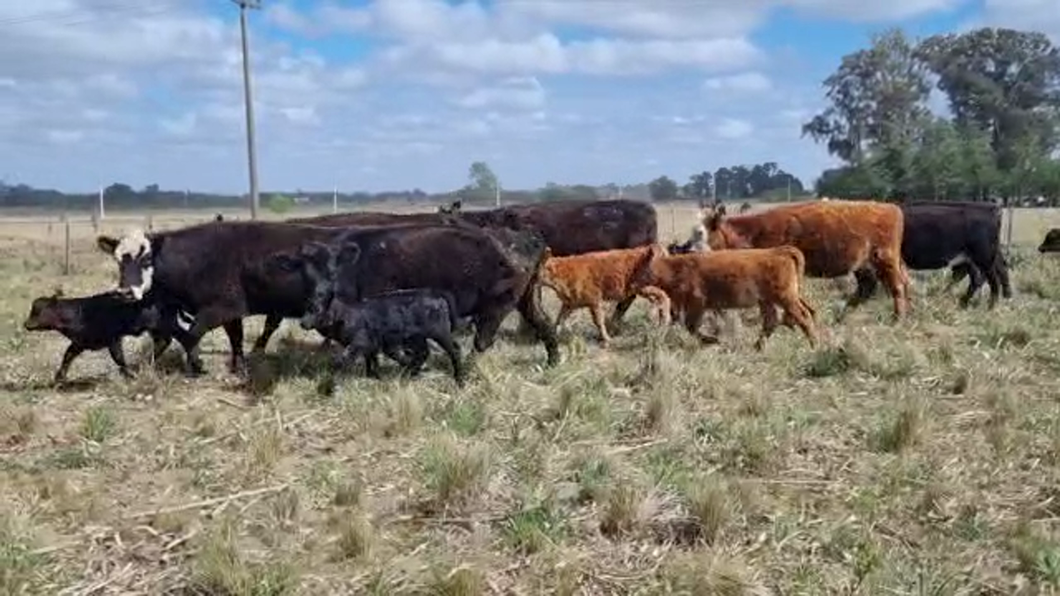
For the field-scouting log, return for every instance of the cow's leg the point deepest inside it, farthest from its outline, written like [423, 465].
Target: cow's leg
[72, 351]
[396, 352]
[237, 364]
[118, 356]
[530, 308]
[770, 320]
[1001, 265]
[865, 289]
[981, 270]
[371, 363]
[564, 313]
[272, 323]
[620, 311]
[797, 310]
[453, 351]
[958, 272]
[419, 352]
[526, 328]
[694, 320]
[889, 268]
[206, 321]
[597, 310]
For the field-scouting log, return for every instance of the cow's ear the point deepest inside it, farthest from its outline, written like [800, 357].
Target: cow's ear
[313, 251]
[107, 244]
[457, 205]
[348, 254]
[547, 254]
[57, 293]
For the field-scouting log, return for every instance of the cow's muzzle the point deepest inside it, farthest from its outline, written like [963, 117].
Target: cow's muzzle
[308, 322]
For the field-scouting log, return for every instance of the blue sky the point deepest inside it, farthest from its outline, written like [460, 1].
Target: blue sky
[396, 94]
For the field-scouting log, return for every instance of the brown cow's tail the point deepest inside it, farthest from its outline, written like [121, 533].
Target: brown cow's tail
[795, 255]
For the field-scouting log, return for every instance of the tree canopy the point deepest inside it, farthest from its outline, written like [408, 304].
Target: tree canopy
[1002, 89]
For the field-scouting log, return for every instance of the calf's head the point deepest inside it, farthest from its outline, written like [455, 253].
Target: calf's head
[320, 266]
[134, 254]
[720, 235]
[451, 208]
[45, 313]
[1051, 243]
[644, 272]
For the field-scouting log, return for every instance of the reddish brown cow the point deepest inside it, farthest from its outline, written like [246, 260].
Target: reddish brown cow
[742, 278]
[589, 279]
[837, 238]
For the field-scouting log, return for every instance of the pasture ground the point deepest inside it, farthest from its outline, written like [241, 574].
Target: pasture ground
[917, 458]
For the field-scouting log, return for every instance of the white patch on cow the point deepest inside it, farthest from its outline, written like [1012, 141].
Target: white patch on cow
[146, 277]
[699, 239]
[134, 244]
[960, 259]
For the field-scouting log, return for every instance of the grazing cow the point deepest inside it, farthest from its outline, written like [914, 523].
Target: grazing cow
[734, 279]
[220, 272]
[489, 273]
[589, 279]
[386, 322]
[92, 323]
[837, 238]
[962, 235]
[1051, 242]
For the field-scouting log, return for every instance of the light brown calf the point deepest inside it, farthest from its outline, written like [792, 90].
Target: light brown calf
[589, 279]
[739, 278]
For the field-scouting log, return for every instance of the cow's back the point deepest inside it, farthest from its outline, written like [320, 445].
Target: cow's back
[834, 236]
[936, 233]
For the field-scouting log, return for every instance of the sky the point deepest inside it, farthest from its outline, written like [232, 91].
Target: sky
[400, 94]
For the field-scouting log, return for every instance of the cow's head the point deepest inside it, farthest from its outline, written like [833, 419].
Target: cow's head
[1051, 243]
[644, 272]
[719, 234]
[134, 253]
[44, 313]
[320, 266]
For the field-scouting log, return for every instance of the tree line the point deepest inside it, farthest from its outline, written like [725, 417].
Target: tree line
[999, 140]
[764, 181]
[481, 190]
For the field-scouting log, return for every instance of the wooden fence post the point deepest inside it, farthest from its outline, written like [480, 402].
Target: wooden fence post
[66, 245]
[150, 223]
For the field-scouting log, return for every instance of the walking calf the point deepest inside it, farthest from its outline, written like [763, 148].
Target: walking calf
[92, 323]
[387, 322]
[736, 278]
[588, 279]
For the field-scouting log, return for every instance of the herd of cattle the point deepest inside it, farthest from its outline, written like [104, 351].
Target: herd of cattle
[384, 282]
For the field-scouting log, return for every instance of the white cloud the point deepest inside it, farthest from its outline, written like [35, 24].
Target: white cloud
[1031, 15]
[521, 93]
[748, 82]
[732, 128]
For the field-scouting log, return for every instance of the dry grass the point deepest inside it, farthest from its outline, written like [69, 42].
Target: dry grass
[918, 458]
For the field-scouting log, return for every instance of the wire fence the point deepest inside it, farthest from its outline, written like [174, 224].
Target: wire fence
[68, 236]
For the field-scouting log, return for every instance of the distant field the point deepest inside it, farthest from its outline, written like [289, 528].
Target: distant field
[917, 458]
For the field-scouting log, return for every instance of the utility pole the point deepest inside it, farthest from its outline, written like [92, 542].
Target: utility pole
[497, 189]
[248, 100]
[335, 200]
[789, 189]
[101, 202]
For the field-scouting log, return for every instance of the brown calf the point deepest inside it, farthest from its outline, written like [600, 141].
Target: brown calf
[837, 238]
[763, 277]
[589, 279]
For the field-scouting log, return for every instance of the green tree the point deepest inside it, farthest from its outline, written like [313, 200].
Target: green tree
[700, 186]
[877, 100]
[662, 189]
[482, 176]
[279, 204]
[1001, 81]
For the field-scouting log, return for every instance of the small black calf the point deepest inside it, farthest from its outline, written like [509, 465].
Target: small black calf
[387, 322]
[92, 323]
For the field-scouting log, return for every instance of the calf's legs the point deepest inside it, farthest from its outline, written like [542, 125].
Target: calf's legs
[72, 351]
[530, 308]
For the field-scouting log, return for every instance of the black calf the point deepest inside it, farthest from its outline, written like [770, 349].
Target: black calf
[92, 323]
[388, 322]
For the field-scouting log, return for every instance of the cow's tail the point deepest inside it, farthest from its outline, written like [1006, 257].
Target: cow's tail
[797, 257]
[454, 314]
